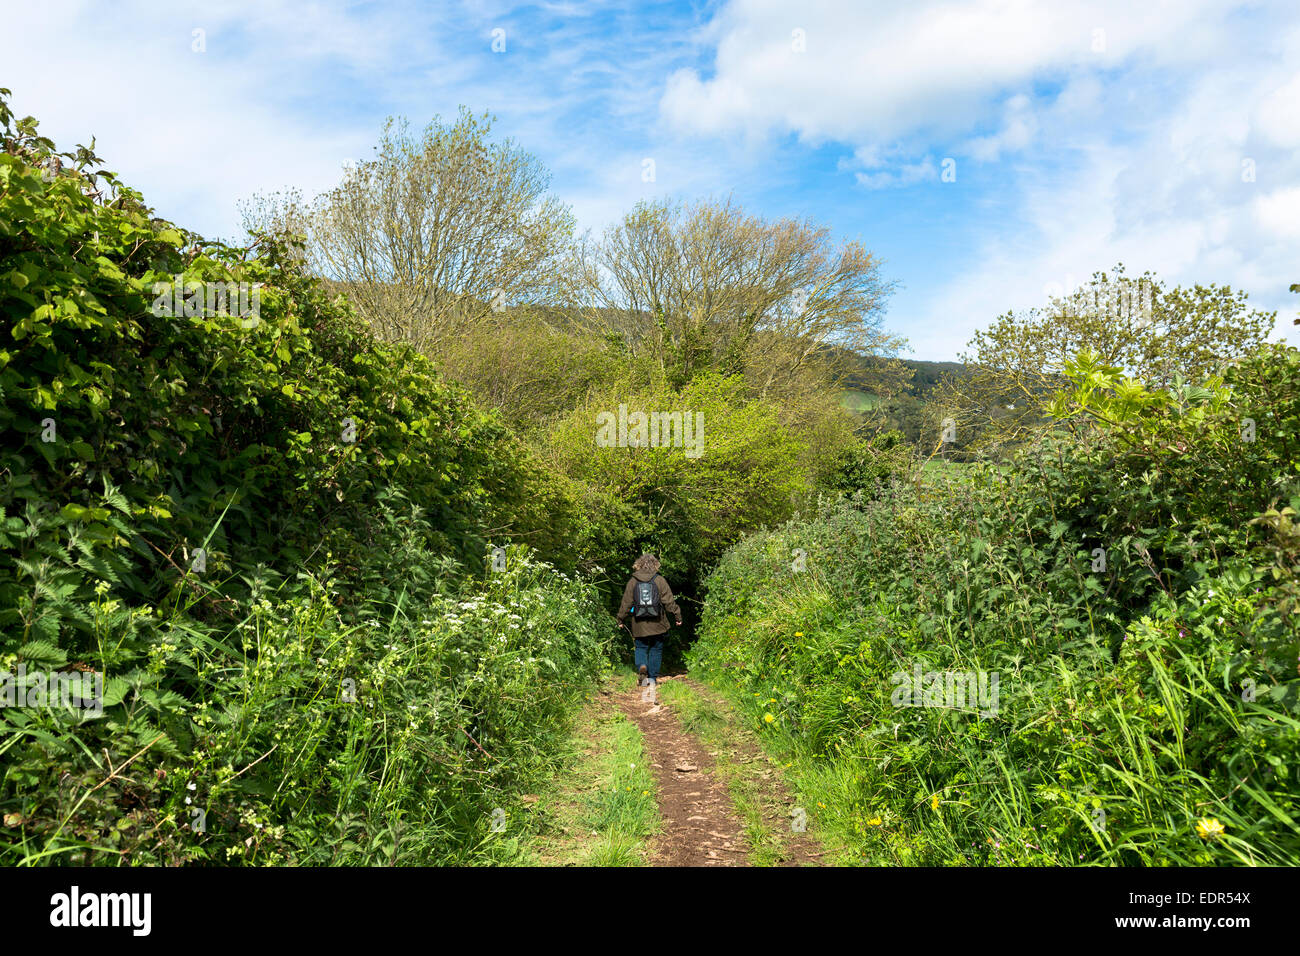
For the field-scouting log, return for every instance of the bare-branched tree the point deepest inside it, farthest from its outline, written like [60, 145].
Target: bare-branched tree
[436, 231]
[709, 288]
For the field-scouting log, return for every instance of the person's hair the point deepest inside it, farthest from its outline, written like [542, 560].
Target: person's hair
[646, 563]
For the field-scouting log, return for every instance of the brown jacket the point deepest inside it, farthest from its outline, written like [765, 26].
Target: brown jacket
[667, 604]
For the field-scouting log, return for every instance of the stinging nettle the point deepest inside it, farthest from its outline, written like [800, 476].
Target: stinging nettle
[957, 690]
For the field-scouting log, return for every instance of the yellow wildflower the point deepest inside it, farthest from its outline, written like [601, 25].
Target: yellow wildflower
[934, 802]
[1210, 829]
[874, 822]
[768, 718]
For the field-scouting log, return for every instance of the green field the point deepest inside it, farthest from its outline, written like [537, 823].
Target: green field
[856, 400]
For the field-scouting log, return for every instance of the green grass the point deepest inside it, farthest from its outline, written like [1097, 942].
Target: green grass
[939, 468]
[602, 809]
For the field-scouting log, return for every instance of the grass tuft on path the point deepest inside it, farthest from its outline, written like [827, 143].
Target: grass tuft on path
[602, 809]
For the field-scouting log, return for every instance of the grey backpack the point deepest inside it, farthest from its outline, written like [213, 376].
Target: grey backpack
[645, 601]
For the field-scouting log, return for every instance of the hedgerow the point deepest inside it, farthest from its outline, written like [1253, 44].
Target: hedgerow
[265, 533]
[1131, 582]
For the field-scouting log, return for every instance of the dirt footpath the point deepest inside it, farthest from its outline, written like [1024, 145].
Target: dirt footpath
[700, 827]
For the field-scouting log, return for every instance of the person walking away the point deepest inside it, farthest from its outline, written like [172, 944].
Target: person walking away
[649, 601]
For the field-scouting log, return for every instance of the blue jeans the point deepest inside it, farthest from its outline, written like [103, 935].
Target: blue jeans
[650, 652]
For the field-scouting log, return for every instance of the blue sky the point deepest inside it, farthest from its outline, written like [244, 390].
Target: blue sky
[1163, 135]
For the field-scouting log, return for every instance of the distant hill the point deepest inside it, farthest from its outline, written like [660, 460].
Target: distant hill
[890, 399]
[925, 375]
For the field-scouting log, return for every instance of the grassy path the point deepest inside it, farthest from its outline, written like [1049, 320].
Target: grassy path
[673, 782]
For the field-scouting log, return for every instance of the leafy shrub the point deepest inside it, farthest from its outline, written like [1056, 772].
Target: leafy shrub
[870, 465]
[688, 505]
[1138, 695]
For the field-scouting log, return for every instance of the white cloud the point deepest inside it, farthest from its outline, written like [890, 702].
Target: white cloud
[904, 174]
[1019, 129]
[1278, 115]
[195, 130]
[1089, 148]
[883, 70]
[1278, 213]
